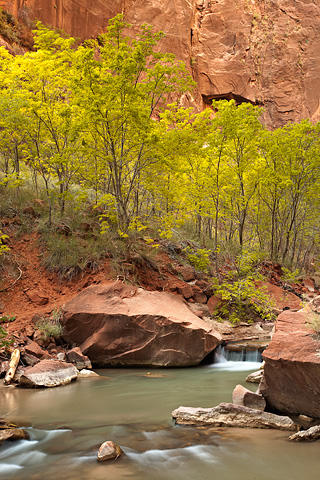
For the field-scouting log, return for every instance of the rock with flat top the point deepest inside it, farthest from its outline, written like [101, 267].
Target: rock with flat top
[117, 325]
[48, 373]
[109, 451]
[230, 415]
[243, 396]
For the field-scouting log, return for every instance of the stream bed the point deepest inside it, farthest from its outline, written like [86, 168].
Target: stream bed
[133, 408]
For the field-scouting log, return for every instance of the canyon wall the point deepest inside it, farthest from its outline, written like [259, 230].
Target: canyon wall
[265, 51]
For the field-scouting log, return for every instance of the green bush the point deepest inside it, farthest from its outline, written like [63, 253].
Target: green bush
[4, 340]
[6, 319]
[243, 299]
[50, 327]
[200, 259]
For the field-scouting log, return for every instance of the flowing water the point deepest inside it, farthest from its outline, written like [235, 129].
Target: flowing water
[132, 408]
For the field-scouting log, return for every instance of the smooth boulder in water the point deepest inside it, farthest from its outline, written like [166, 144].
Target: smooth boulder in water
[109, 451]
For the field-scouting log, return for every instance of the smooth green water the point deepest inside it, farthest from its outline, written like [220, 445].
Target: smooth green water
[69, 423]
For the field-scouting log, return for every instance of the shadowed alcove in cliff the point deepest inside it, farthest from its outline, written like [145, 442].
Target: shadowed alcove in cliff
[207, 99]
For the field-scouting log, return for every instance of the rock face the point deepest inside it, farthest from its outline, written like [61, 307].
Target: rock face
[48, 373]
[292, 365]
[264, 52]
[230, 415]
[117, 324]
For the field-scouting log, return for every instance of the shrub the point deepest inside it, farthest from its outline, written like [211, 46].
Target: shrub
[243, 299]
[200, 259]
[314, 322]
[50, 327]
[4, 340]
[6, 319]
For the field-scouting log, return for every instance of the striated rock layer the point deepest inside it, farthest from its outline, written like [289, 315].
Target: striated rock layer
[292, 365]
[264, 51]
[231, 415]
[117, 325]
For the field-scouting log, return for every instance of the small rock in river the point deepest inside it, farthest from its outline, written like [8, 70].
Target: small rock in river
[13, 434]
[154, 375]
[255, 377]
[310, 435]
[108, 451]
[84, 373]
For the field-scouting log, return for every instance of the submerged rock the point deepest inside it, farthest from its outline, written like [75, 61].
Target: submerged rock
[48, 373]
[13, 434]
[255, 377]
[109, 451]
[291, 382]
[118, 324]
[230, 415]
[243, 396]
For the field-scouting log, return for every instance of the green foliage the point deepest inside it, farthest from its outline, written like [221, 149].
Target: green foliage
[4, 340]
[290, 276]
[200, 259]
[99, 132]
[3, 247]
[242, 297]
[50, 327]
[6, 319]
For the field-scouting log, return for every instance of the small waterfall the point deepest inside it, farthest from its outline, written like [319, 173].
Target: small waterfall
[237, 357]
[224, 354]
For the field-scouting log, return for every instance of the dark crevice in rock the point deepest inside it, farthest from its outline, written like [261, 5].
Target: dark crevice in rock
[228, 96]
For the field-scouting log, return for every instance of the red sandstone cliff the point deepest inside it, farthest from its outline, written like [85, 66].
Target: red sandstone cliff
[266, 51]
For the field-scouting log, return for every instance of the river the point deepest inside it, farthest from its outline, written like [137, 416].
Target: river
[132, 408]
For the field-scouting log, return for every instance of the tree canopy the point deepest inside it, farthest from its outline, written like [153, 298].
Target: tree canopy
[93, 123]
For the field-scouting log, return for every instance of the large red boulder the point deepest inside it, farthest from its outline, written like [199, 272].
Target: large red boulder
[292, 365]
[118, 324]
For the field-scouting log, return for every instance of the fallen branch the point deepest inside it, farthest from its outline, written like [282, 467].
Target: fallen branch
[14, 361]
